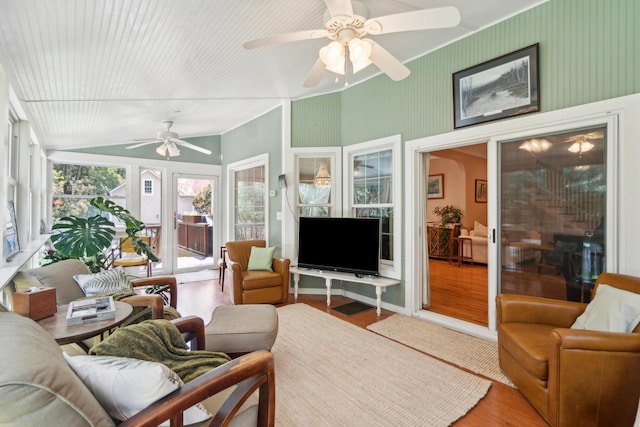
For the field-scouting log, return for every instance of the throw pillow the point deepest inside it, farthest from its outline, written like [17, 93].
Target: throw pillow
[480, 229]
[261, 258]
[24, 281]
[125, 386]
[105, 282]
[612, 310]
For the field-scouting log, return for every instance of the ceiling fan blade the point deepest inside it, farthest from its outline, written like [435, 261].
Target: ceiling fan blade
[286, 38]
[189, 145]
[142, 144]
[315, 75]
[427, 19]
[387, 62]
[339, 7]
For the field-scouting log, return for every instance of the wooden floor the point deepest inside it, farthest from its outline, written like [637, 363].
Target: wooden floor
[503, 405]
[462, 291]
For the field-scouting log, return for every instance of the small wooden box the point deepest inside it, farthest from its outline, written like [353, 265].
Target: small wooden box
[36, 304]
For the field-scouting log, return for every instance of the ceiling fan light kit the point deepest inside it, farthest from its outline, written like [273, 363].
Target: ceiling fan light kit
[346, 23]
[170, 141]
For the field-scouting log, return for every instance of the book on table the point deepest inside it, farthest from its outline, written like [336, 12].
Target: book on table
[90, 309]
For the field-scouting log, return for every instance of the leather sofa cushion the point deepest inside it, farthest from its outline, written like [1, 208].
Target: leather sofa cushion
[529, 344]
[37, 386]
[259, 279]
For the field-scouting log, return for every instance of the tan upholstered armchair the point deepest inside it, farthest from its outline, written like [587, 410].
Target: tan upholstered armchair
[572, 377]
[38, 387]
[255, 286]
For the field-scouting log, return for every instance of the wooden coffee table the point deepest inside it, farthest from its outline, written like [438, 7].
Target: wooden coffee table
[57, 327]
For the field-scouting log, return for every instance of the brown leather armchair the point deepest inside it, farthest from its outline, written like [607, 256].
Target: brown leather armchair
[256, 286]
[571, 377]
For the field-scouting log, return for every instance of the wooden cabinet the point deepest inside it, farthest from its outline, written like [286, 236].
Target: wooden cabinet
[439, 245]
[195, 237]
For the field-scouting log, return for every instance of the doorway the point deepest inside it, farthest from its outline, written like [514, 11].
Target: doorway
[194, 222]
[457, 251]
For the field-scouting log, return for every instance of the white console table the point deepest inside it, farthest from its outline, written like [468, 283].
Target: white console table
[380, 283]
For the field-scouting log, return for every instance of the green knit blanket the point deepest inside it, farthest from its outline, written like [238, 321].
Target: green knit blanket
[159, 341]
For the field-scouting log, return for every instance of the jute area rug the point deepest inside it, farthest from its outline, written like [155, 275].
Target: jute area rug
[474, 354]
[332, 373]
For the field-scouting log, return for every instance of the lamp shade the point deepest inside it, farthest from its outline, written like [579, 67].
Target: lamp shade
[359, 53]
[332, 55]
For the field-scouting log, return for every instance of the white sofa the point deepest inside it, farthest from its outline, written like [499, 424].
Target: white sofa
[517, 245]
[477, 246]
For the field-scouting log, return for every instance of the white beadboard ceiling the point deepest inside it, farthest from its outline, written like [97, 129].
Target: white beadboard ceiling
[103, 72]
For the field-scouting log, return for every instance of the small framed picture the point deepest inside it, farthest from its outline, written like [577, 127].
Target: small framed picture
[481, 191]
[502, 87]
[435, 188]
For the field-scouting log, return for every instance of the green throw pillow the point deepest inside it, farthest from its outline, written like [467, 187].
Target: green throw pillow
[261, 258]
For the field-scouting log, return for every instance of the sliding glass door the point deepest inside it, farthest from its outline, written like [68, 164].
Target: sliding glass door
[552, 213]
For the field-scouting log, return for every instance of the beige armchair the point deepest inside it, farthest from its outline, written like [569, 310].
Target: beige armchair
[255, 286]
[572, 377]
[60, 276]
[38, 387]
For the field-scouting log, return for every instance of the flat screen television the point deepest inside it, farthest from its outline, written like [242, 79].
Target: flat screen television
[350, 245]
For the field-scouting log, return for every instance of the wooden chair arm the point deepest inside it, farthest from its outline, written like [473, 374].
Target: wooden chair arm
[251, 372]
[192, 328]
[167, 282]
[154, 302]
[546, 311]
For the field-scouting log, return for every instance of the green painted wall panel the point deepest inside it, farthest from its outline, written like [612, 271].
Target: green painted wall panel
[211, 142]
[259, 136]
[315, 122]
[589, 51]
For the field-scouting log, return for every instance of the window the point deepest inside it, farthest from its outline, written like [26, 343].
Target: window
[73, 186]
[148, 187]
[373, 169]
[248, 184]
[316, 185]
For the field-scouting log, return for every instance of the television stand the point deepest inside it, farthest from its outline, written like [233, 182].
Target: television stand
[380, 283]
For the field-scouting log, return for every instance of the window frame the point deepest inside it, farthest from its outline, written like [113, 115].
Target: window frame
[334, 156]
[232, 169]
[393, 268]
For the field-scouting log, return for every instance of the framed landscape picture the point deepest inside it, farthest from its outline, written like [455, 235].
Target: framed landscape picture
[502, 87]
[435, 188]
[481, 191]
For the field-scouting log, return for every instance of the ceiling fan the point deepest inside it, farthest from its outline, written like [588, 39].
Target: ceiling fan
[346, 24]
[170, 142]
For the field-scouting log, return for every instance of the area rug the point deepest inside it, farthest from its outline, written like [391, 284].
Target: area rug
[197, 276]
[332, 373]
[474, 354]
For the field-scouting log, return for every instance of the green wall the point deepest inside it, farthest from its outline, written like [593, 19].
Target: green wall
[589, 51]
[211, 142]
[259, 136]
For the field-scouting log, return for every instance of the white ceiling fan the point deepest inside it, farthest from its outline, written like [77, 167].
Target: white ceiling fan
[170, 142]
[346, 24]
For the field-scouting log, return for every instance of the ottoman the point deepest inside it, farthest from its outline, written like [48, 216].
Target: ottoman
[235, 329]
